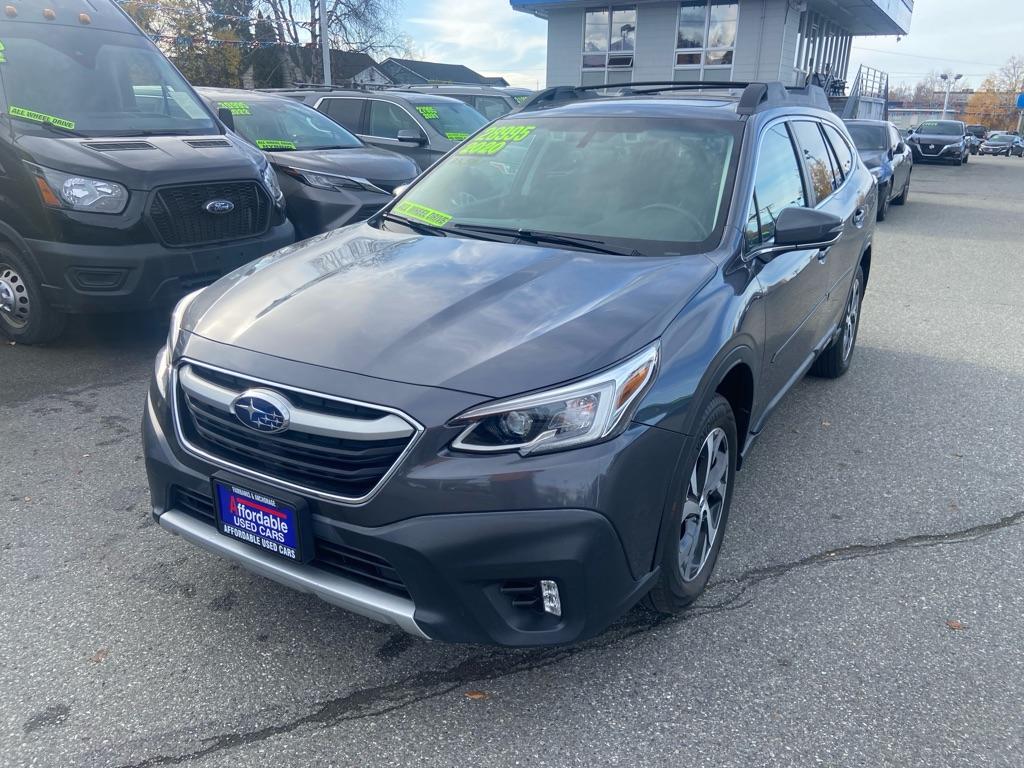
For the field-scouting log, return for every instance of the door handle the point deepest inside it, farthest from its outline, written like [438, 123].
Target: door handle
[823, 254]
[858, 217]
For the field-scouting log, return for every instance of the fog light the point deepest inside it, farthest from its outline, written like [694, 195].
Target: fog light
[552, 601]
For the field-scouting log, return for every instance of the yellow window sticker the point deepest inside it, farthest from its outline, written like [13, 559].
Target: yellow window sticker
[237, 108]
[275, 144]
[39, 117]
[456, 136]
[422, 213]
[429, 113]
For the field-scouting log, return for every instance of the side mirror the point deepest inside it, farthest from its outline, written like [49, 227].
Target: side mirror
[226, 117]
[806, 228]
[409, 136]
[901, 148]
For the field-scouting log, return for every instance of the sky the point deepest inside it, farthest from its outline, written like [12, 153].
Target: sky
[973, 38]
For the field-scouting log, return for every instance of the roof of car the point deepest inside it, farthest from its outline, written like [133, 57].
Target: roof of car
[865, 121]
[738, 99]
[324, 92]
[641, 106]
[466, 90]
[237, 94]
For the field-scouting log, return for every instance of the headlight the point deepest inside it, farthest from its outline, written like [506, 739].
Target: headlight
[567, 417]
[64, 190]
[270, 182]
[331, 181]
[165, 356]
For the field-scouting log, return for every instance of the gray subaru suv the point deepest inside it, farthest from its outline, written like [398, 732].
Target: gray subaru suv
[512, 404]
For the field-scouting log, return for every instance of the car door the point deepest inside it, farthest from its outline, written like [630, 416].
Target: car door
[822, 143]
[901, 160]
[384, 122]
[794, 284]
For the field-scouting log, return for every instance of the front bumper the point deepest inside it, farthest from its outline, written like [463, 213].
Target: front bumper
[457, 531]
[948, 153]
[314, 211]
[118, 278]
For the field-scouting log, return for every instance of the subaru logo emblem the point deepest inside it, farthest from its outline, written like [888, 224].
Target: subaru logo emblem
[219, 206]
[262, 410]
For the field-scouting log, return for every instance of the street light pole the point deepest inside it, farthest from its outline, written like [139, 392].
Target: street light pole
[325, 41]
[949, 87]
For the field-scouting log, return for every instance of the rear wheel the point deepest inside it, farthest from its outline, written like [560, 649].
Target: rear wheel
[835, 360]
[25, 316]
[691, 536]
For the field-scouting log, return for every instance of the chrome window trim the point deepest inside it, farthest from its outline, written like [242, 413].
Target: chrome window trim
[256, 475]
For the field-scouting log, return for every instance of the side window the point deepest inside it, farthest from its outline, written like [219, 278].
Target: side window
[387, 119]
[894, 138]
[491, 107]
[843, 152]
[348, 112]
[816, 158]
[778, 184]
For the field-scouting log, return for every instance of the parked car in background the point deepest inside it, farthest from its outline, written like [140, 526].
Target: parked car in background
[887, 156]
[512, 404]
[423, 126]
[119, 189]
[490, 101]
[1003, 144]
[976, 135]
[329, 177]
[940, 141]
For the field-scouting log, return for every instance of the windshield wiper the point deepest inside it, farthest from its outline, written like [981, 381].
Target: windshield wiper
[532, 236]
[415, 226]
[53, 127]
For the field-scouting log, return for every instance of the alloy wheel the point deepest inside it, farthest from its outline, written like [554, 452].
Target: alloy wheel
[706, 492]
[15, 303]
[850, 320]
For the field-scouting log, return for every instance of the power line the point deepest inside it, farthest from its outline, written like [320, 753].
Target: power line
[929, 58]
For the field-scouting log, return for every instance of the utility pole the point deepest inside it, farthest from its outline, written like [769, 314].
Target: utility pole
[949, 87]
[325, 41]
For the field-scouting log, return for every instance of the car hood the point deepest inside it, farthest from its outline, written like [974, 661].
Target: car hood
[488, 318]
[927, 138]
[144, 162]
[874, 158]
[380, 166]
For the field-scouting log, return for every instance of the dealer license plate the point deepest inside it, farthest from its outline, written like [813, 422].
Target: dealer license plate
[258, 519]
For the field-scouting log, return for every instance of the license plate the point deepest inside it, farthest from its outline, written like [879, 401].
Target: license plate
[258, 519]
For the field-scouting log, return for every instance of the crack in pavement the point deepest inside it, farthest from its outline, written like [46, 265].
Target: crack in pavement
[430, 684]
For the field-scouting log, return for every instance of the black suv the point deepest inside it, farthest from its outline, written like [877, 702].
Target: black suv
[512, 404]
[119, 189]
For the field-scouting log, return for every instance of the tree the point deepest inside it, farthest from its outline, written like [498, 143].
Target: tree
[353, 25]
[995, 103]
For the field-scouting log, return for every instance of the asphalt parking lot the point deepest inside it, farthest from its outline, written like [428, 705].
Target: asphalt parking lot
[868, 608]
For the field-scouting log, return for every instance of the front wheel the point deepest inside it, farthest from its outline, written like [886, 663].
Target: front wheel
[691, 536]
[25, 317]
[836, 359]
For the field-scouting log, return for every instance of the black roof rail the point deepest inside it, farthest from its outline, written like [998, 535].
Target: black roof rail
[755, 95]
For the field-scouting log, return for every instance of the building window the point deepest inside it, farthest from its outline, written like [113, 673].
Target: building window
[609, 37]
[706, 40]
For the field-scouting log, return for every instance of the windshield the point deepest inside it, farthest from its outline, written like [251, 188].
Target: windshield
[869, 137]
[276, 125]
[941, 128]
[452, 119]
[1001, 138]
[95, 83]
[657, 186]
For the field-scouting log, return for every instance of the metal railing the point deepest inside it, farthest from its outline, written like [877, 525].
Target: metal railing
[869, 83]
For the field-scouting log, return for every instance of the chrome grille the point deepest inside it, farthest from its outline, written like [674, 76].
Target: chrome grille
[332, 448]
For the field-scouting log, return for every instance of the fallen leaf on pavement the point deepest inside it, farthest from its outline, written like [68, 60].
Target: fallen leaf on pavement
[826, 423]
[99, 656]
[477, 695]
[955, 624]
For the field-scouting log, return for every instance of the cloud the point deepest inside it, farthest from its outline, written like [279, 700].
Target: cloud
[491, 38]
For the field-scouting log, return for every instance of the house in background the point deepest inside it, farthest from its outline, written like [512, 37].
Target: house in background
[409, 72]
[715, 40]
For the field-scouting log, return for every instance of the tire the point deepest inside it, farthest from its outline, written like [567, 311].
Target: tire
[967, 156]
[836, 359]
[25, 317]
[905, 194]
[690, 532]
[883, 202]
